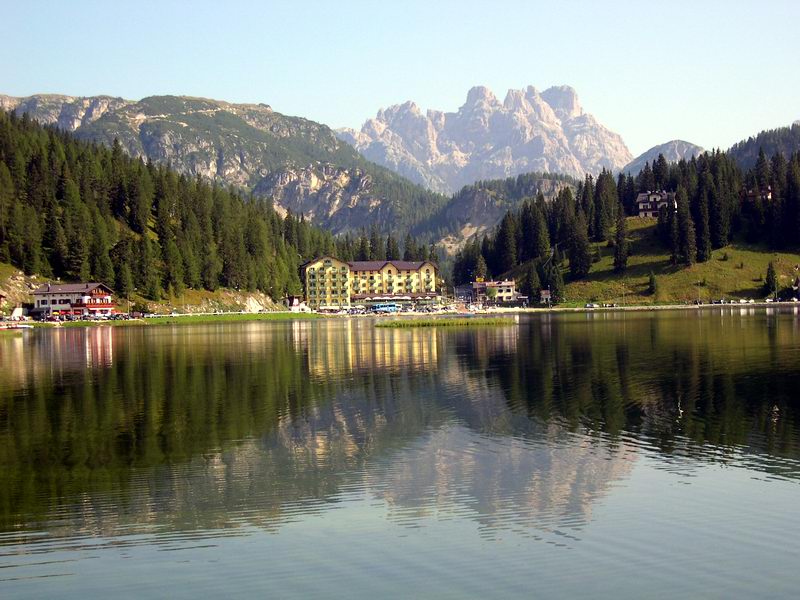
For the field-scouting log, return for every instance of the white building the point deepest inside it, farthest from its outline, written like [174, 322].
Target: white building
[504, 291]
[650, 203]
[79, 299]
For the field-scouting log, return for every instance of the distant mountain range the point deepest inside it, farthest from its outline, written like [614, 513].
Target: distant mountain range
[486, 139]
[475, 155]
[299, 163]
[673, 152]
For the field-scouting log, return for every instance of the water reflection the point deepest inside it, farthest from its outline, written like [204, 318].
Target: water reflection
[111, 431]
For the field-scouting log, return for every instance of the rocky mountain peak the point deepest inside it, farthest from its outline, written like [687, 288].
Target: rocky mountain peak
[564, 101]
[480, 96]
[517, 100]
[486, 139]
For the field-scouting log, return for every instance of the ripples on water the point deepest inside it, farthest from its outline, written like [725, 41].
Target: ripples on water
[601, 455]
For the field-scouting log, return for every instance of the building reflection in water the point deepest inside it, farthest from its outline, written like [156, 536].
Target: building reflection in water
[360, 346]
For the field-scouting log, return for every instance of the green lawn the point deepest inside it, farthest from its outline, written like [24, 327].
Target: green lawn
[447, 322]
[739, 276]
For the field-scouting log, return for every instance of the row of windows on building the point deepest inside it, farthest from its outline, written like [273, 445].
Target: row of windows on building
[64, 301]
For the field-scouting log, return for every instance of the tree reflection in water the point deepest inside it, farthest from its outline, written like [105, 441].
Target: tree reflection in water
[521, 427]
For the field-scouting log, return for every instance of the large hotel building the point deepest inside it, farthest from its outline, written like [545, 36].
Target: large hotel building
[332, 283]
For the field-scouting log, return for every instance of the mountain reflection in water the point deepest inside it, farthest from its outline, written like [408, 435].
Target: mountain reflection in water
[115, 433]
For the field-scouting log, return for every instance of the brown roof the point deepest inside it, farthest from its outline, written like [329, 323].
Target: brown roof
[377, 265]
[69, 288]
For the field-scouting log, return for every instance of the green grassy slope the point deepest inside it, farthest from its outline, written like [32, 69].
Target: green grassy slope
[736, 271]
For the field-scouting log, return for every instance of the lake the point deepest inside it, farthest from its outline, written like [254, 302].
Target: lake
[602, 455]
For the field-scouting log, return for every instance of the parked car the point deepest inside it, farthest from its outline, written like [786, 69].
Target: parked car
[592, 305]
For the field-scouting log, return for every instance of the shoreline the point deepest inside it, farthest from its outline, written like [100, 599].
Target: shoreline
[196, 319]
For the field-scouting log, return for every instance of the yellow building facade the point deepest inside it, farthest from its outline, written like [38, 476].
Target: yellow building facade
[332, 283]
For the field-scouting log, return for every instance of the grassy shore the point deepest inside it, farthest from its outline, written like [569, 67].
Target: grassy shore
[447, 322]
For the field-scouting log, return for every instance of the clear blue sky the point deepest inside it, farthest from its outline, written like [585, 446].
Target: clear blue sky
[710, 72]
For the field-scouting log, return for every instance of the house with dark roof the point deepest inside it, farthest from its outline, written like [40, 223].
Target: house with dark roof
[651, 203]
[78, 299]
[334, 284]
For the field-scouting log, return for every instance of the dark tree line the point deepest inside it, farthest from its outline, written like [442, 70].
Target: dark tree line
[371, 245]
[80, 211]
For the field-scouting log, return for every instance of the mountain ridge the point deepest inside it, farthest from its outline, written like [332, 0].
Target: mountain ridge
[673, 151]
[484, 139]
[245, 145]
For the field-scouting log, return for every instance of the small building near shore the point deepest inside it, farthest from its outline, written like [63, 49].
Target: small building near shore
[77, 299]
[650, 204]
[482, 292]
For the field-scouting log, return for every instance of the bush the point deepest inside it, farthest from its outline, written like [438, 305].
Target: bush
[771, 281]
[652, 286]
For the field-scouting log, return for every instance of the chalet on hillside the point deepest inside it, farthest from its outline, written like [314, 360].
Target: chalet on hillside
[765, 195]
[78, 299]
[650, 203]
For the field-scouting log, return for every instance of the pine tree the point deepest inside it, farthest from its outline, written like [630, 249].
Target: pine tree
[771, 282]
[363, 252]
[553, 281]
[392, 248]
[762, 171]
[541, 244]
[533, 284]
[718, 218]
[580, 259]
[606, 200]
[621, 242]
[647, 181]
[660, 172]
[703, 230]
[506, 244]
[481, 270]
[674, 237]
[377, 250]
[687, 245]
[7, 200]
[124, 281]
[409, 248]
[791, 206]
[433, 254]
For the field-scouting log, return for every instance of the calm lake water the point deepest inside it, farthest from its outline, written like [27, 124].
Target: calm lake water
[600, 455]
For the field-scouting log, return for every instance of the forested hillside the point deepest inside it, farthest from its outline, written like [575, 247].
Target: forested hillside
[298, 163]
[717, 203]
[80, 211]
[478, 208]
[784, 140]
